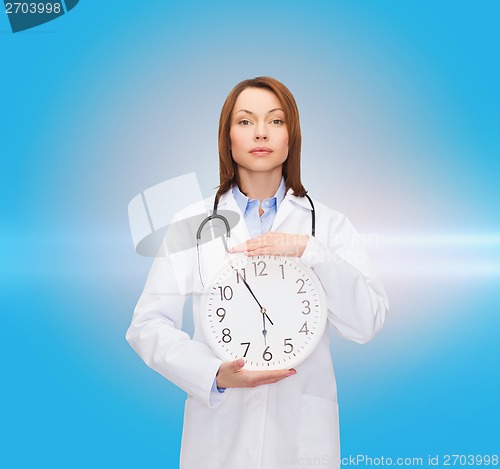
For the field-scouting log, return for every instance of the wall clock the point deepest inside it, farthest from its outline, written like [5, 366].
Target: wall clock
[268, 310]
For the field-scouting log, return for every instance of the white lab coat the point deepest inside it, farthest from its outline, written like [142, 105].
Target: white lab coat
[289, 424]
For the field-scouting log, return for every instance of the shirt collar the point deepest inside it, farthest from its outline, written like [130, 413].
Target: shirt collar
[242, 200]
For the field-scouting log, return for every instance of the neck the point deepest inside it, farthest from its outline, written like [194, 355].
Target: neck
[259, 185]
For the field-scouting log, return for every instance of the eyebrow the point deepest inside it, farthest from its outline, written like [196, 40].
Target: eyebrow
[250, 112]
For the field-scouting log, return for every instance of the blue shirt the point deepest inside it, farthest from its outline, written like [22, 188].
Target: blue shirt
[256, 223]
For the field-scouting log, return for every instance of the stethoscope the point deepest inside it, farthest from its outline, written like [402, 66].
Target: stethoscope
[217, 216]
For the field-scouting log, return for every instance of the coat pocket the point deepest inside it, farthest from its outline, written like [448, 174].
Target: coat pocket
[318, 433]
[200, 434]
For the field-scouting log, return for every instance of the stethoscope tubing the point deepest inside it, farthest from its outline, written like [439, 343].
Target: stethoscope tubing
[216, 216]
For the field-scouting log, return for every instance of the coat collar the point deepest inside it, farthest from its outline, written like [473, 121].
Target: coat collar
[289, 203]
[240, 232]
[227, 202]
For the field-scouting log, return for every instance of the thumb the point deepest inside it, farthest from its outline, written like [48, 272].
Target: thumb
[238, 364]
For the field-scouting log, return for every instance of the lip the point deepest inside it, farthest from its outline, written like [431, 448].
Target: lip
[261, 151]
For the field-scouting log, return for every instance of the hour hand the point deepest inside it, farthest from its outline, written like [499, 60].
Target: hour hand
[264, 331]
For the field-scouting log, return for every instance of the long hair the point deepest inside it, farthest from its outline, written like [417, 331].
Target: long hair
[228, 171]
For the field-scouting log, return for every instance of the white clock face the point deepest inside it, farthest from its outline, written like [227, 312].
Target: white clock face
[268, 310]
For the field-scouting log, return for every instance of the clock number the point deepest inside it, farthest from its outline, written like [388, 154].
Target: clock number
[267, 356]
[242, 276]
[262, 265]
[221, 312]
[246, 350]
[282, 271]
[306, 304]
[226, 293]
[226, 335]
[304, 329]
[288, 344]
[301, 288]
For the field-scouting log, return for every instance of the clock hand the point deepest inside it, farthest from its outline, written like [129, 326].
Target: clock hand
[262, 310]
[264, 331]
[250, 290]
[268, 318]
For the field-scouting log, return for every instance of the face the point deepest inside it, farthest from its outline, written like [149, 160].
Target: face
[258, 133]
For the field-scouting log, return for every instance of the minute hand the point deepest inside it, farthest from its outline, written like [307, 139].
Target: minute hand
[262, 310]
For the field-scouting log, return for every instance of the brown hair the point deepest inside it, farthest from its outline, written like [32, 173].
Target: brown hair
[291, 167]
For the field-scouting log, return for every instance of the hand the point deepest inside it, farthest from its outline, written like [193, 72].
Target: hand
[274, 244]
[232, 375]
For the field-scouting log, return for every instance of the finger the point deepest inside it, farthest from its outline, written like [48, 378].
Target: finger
[262, 251]
[248, 251]
[270, 237]
[273, 379]
[239, 248]
[257, 378]
[255, 243]
[258, 242]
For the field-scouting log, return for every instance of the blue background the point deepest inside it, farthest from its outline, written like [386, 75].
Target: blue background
[400, 115]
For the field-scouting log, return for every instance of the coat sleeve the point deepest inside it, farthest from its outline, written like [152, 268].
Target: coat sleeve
[156, 335]
[357, 302]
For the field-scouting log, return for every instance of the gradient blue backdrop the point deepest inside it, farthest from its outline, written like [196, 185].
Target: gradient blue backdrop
[400, 111]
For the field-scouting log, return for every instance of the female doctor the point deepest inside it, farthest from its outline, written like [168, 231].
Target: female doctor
[236, 418]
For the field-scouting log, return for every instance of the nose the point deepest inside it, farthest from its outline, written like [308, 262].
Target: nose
[261, 131]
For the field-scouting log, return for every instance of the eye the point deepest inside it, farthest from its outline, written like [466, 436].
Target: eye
[277, 122]
[245, 122]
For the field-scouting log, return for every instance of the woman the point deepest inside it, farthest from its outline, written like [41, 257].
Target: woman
[235, 418]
